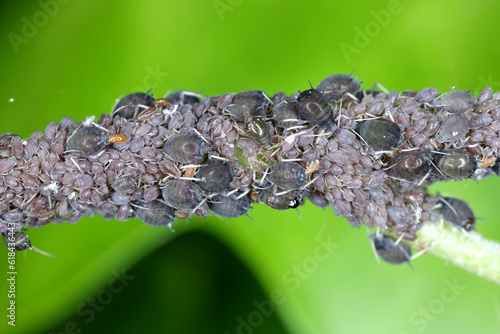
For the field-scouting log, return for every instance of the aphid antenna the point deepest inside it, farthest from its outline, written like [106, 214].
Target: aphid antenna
[267, 97]
[310, 84]
[300, 216]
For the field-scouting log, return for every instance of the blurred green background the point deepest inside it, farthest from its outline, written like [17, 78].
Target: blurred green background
[277, 273]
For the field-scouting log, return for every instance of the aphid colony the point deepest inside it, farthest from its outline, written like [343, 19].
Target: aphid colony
[367, 154]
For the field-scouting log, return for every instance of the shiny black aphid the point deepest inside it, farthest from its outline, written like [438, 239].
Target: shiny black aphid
[456, 164]
[87, 141]
[314, 107]
[388, 250]
[215, 176]
[335, 86]
[182, 194]
[182, 97]
[127, 107]
[457, 101]
[290, 200]
[453, 128]
[457, 212]
[247, 103]
[411, 166]
[257, 130]
[20, 240]
[285, 115]
[185, 147]
[154, 213]
[229, 206]
[380, 134]
[496, 167]
[287, 175]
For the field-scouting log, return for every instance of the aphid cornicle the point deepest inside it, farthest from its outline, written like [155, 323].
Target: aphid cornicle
[87, 141]
[289, 200]
[247, 103]
[185, 147]
[229, 206]
[380, 134]
[215, 176]
[129, 104]
[285, 115]
[388, 250]
[457, 101]
[456, 164]
[314, 107]
[410, 166]
[154, 213]
[21, 240]
[182, 97]
[287, 175]
[182, 194]
[457, 212]
[335, 86]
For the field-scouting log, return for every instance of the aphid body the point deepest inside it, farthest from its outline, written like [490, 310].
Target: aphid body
[457, 212]
[314, 107]
[257, 130]
[229, 206]
[128, 105]
[87, 141]
[457, 164]
[335, 86]
[453, 128]
[215, 176]
[380, 134]
[388, 250]
[154, 213]
[247, 103]
[410, 166]
[457, 101]
[182, 97]
[20, 240]
[287, 175]
[185, 147]
[289, 200]
[285, 115]
[182, 194]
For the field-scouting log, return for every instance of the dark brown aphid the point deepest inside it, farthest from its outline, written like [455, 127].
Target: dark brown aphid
[182, 97]
[215, 176]
[154, 213]
[113, 139]
[277, 201]
[380, 134]
[257, 130]
[287, 175]
[456, 164]
[457, 101]
[314, 107]
[457, 212]
[129, 105]
[18, 240]
[182, 194]
[229, 206]
[410, 166]
[163, 102]
[335, 86]
[388, 250]
[87, 141]
[286, 115]
[185, 147]
[247, 103]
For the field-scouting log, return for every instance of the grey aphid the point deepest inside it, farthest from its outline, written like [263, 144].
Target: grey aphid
[215, 176]
[380, 134]
[247, 103]
[21, 241]
[453, 128]
[182, 97]
[410, 166]
[388, 250]
[285, 115]
[257, 130]
[287, 175]
[87, 141]
[457, 101]
[182, 194]
[458, 164]
[154, 213]
[124, 185]
[229, 206]
[457, 212]
[185, 147]
[318, 199]
[277, 201]
[427, 95]
[314, 107]
[335, 86]
[127, 107]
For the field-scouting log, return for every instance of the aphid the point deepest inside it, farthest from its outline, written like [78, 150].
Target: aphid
[486, 162]
[288, 200]
[87, 141]
[314, 107]
[312, 167]
[182, 97]
[287, 175]
[148, 114]
[335, 86]
[185, 147]
[229, 206]
[380, 134]
[257, 130]
[457, 101]
[426, 95]
[224, 100]
[285, 115]
[453, 128]
[113, 139]
[318, 199]
[388, 250]
[163, 102]
[128, 105]
[20, 241]
[215, 176]
[182, 194]
[457, 212]
[154, 213]
[411, 166]
[247, 103]
[124, 185]
[457, 164]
